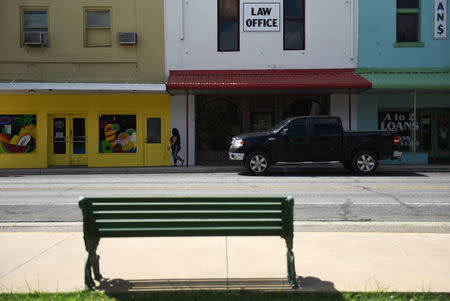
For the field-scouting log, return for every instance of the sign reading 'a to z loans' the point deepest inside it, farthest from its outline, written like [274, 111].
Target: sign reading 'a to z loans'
[440, 12]
[261, 16]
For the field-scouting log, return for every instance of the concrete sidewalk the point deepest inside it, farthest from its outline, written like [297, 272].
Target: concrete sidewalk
[325, 261]
[302, 168]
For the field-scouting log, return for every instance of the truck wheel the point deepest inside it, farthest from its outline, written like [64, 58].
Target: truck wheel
[257, 163]
[365, 162]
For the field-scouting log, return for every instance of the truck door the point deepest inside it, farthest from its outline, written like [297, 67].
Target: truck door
[326, 139]
[293, 141]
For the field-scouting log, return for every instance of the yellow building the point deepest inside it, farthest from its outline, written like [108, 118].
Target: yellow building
[82, 83]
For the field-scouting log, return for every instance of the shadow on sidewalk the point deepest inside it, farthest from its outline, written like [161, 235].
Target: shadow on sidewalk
[307, 284]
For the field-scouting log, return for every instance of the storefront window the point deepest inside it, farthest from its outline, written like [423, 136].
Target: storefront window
[261, 122]
[218, 122]
[403, 123]
[117, 134]
[17, 133]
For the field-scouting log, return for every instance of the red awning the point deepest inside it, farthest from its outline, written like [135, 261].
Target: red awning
[294, 79]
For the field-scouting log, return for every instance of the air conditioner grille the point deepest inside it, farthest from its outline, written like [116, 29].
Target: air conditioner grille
[35, 38]
[129, 38]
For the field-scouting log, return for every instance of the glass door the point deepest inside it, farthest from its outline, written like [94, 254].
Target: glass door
[434, 133]
[58, 140]
[67, 140]
[442, 134]
[78, 140]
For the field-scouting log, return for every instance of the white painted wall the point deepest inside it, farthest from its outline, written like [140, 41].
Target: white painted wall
[178, 120]
[339, 107]
[191, 38]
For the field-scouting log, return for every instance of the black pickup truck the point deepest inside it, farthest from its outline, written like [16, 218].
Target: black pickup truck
[314, 139]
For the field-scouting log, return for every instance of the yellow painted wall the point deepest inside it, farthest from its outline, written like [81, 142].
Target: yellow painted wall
[92, 106]
[66, 58]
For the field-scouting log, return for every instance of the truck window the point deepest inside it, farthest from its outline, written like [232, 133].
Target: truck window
[325, 126]
[297, 128]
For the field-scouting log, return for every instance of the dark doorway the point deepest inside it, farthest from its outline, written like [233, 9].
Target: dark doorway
[217, 122]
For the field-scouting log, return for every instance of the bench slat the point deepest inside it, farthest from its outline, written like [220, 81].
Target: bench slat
[161, 214]
[212, 231]
[184, 199]
[185, 206]
[187, 223]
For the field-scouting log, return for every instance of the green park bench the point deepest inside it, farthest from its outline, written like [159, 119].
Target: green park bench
[184, 216]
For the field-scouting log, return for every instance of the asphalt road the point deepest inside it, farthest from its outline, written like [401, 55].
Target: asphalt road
[320, 195]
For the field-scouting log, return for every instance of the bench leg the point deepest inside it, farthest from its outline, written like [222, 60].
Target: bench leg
[92, 264]
[89, 283]
[96, 268]
[292, 277]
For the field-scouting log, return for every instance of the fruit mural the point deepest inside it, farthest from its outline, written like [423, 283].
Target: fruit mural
[17, 134]
[117, 134]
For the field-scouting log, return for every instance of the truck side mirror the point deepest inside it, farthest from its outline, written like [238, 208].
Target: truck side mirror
[284, 132]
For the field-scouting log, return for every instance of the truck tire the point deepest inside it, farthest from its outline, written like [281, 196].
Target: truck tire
[257, 163]
[365, 162]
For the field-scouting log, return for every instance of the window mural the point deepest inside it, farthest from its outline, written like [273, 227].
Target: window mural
[117, 134]
[17, 133]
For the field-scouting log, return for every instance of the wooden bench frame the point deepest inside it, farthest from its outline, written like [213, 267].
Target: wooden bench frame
[184, 216]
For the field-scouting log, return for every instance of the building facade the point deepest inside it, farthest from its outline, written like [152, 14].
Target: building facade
[406, 57]
[235, 66]
[82, 83]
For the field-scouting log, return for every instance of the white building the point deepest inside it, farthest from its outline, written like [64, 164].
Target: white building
[242, 65]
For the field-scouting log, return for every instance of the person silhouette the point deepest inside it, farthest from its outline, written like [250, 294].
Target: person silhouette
[175, 145]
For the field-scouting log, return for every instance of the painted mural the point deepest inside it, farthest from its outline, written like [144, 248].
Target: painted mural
[117, 134]
[17, 134]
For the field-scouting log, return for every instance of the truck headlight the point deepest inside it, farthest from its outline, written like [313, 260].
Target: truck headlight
[237, 143]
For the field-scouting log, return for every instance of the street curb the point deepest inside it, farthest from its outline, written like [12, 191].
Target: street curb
[319, 167]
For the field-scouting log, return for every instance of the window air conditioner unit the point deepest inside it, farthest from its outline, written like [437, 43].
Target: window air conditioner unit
[127, 38]
[35, 38]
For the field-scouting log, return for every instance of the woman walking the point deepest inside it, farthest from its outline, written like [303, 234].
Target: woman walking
[175, 145]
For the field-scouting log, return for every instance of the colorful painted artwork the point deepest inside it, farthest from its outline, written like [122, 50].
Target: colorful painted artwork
[17, 133]
[117, 134]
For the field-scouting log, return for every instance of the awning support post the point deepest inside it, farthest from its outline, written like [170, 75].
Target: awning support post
[349, 109]
[187, 128]
[414, 127]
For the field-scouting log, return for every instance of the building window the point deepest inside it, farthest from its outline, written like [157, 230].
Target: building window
[153, 130]
[228, 25]
[117, 134]
[34, 27]
[97, 28]
[408, 23]
[294, 25]
[261, 121]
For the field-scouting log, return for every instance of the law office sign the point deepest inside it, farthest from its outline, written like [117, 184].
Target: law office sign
[261, 16]
[440, 20]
